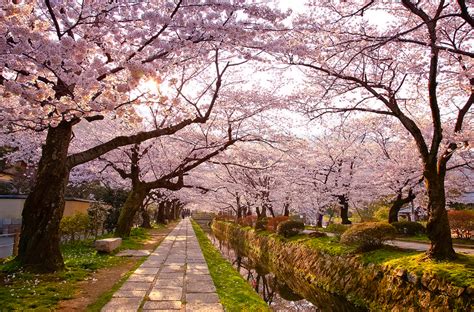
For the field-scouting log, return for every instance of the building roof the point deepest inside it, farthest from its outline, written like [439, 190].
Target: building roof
[23, 196]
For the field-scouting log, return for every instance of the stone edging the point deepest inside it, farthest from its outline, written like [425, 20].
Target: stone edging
[379, 288]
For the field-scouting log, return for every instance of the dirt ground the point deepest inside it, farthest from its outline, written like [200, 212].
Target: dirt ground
[104, 279]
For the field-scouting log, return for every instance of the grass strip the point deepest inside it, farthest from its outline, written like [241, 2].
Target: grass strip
[234, 292]
[105, 297]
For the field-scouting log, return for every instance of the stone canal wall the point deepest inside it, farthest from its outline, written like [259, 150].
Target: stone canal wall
[376, 287]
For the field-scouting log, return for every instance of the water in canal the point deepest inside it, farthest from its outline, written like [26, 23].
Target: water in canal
[278, 295]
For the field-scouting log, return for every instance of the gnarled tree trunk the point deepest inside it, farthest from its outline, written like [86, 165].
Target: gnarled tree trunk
[286, 209]
[38, 248]
[160, 217]
[437, 228]
[319, 218]
[344, 208]
[398, 204]
[129, 209]
[146, 220]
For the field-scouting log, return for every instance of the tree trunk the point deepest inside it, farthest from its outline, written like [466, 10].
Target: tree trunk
[286, 209]
[344, 206]
[38, 249]
[146, 220]
[437, 228]
[129, 209]
[239, 207]
[160, 218]
[319, 222]
[397, 204]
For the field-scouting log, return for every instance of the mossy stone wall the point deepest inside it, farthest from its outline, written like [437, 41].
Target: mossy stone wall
[376, 287]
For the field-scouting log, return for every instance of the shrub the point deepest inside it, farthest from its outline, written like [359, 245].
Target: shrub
[382, 213]
[261, 224]
[248, 221]
[462, 222]
[97, 215]
[74, 227]
[337, 229]
[368, 236]
[273, 223]
[409, 227]
[290, 228]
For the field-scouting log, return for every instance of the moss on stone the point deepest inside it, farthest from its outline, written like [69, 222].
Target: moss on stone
[380, 280]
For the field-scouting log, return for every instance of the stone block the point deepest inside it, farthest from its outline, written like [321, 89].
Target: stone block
[169, 283]
[198, 277]
[200, 298]
[150, 264]
[108, 244]
[204, 307]
[202, 286]
[174, 294]
[122, 305]
[147, 271]
[171, 275]
[130, 294]
[135, 285]
[162, 305]
[141, 278]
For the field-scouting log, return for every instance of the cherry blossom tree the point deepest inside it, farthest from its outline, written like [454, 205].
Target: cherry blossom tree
[67, 63]
[417, 64]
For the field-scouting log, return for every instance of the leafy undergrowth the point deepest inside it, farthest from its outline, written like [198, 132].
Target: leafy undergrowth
[234, 292]
[20, 290]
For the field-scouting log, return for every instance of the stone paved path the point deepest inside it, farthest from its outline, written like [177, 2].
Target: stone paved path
[425, 246]
[175, 277]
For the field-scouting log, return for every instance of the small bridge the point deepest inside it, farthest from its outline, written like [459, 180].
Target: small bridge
[203, 219]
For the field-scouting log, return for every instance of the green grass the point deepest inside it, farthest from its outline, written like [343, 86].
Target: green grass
[234, 292]
[23, 290]
[136, 239]
[330, 245]
[459, 272]
[20, 290]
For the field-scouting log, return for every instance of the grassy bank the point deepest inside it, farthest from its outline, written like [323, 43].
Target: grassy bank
[459, 272]
[234, 292]
[20, 290]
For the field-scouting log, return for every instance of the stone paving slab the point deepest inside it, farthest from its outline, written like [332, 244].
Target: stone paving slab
[175, 277]
[168, 283]
[204, 286]
[141, 277]
[130, 293]
[135, 286]
[147, 270]
[162, 305]
[166, 294]
[202, 298]
[204, 307]
[122, 305]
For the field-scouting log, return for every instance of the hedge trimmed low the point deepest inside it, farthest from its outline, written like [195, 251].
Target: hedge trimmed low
[409, 227]
[290, 228]
[368, 236]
